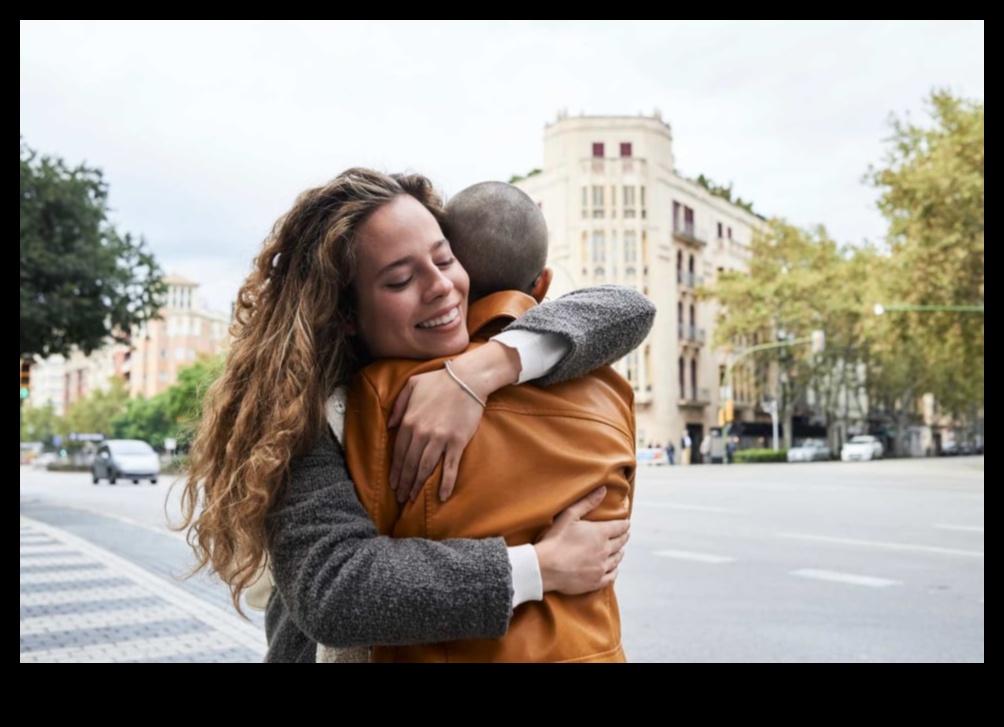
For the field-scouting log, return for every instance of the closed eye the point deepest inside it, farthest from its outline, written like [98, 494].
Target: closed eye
[446, 263]
[400, 286]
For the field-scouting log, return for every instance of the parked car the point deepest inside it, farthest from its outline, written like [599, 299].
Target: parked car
[811, 450]
[862, 449]
[43, 460]
[126, 459]
[949, 449]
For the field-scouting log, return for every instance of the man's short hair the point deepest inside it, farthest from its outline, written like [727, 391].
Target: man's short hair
[499, 235]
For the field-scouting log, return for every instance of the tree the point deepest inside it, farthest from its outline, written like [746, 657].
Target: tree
[82, 282]
[147, 420]
[799, 281]
[932, 196]
[97, 413]
[184, 399]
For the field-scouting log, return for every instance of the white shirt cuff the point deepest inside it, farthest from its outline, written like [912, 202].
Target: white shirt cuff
[538, 353]
[527, 583]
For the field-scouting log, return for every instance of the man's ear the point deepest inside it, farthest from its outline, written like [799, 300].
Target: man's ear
[542, 285]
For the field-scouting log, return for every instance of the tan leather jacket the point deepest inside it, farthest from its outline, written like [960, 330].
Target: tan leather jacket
[536, 452]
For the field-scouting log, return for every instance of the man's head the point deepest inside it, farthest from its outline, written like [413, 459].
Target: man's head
[499, 235]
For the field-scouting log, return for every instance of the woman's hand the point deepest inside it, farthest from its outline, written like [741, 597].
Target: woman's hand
[438, 418]
[578, 556]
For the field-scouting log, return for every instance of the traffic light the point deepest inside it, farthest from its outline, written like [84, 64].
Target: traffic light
[25, 379]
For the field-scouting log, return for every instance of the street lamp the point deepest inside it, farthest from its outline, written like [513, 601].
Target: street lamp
[817, 342]
[881, 310]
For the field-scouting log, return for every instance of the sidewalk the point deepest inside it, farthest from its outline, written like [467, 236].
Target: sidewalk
[82, 604]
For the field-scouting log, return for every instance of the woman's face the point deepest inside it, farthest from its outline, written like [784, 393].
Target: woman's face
[411, 291]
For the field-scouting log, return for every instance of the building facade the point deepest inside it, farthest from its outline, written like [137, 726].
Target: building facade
[618, 213]
[149, 366]
[161, 348]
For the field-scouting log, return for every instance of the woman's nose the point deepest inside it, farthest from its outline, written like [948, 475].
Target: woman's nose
[439, 286]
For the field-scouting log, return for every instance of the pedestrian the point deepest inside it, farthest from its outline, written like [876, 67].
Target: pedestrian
[671, 454]
[686, 449]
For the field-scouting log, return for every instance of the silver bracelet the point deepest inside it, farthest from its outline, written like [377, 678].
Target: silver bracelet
[464, 386]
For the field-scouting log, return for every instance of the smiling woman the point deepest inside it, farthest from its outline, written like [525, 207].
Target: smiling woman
[411, 292]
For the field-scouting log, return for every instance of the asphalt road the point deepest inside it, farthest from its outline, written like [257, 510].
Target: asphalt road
[876, 562]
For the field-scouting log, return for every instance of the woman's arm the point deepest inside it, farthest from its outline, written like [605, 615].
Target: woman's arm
[600, 325]
[566, 339]
[339, 583]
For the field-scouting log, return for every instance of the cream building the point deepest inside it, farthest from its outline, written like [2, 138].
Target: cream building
[618, 213]
[185, 332]
[159, 350]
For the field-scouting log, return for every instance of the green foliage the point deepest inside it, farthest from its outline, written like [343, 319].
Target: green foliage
[147, 420]
[519, 178]
[82, 282]
[933, 198]
[761, 456]
[97, 413]
[725, 193]
[184, 399]
[39, 425]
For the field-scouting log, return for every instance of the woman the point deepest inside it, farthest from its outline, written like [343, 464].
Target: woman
[270, 479]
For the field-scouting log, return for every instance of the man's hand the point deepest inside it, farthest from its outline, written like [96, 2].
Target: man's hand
[577, 556]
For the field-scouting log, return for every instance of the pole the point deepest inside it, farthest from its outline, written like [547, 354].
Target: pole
[774, 422]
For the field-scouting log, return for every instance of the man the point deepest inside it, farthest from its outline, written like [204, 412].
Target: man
[536, 450]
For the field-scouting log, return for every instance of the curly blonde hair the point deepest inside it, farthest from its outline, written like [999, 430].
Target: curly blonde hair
[290, 349]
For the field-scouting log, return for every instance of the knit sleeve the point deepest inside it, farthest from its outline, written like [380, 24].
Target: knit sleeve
[339, 583]
[601, 324]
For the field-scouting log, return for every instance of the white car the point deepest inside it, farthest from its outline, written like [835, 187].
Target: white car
[811, 450]
[862, 449]
[126, 459]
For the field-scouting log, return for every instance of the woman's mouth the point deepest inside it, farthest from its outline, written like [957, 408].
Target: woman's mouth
[442, 321]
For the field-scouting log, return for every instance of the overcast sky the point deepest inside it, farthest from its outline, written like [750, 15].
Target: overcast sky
[207, 131]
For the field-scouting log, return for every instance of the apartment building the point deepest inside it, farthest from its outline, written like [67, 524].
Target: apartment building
[161, 348]
[149, 366]
[619, 213]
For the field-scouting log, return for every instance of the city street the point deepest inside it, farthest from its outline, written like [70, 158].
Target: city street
[872, 562]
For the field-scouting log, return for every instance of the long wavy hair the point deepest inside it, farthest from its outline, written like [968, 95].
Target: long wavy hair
[290, 349]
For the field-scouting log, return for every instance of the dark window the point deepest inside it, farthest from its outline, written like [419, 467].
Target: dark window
[599, 151]
[693, 378]
[720, 231]
[626, 150]
[683, 379]
[730, 233]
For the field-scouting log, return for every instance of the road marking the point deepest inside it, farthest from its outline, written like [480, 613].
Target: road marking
[845, 578]
[158, 648]
[959, 528]
[105, 619]
[685, 508]
[225, 623]
[904, 547]
[695, 557]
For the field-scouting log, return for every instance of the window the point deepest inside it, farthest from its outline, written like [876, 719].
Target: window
[598, 200]
[693, 379]
[599, 150]
[626, 150]
[630, 202]
[179, 354]
[720, 231]
[683, 379]
[630, 247]
[730, 233]
[599, 247]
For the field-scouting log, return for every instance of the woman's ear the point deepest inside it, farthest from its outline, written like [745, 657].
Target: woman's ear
[542, 285]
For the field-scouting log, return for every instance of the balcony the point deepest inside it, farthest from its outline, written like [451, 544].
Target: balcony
[696, 399]
[690, 235]
[692, 335]
[689, 280]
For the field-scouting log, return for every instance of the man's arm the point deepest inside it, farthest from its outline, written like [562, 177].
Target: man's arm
[600, 325]
[343, 585]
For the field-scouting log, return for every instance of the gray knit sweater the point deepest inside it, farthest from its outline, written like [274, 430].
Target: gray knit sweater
[339, 583]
